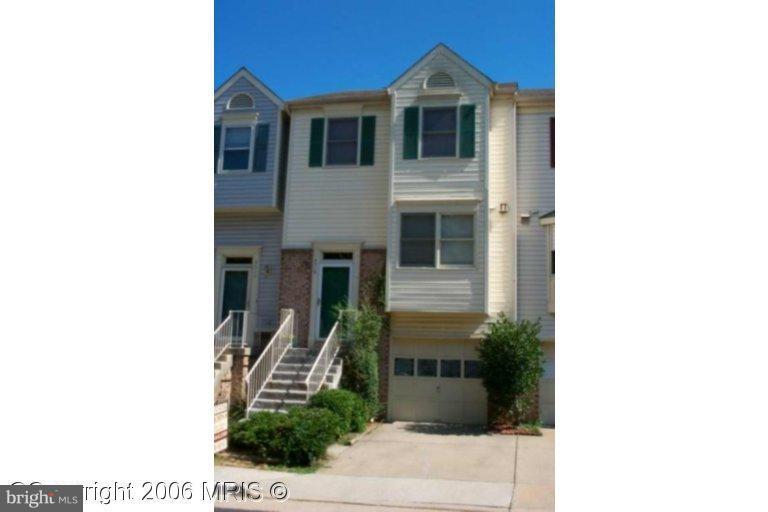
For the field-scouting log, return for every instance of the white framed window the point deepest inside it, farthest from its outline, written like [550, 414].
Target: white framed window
[236, 149]
[437, 240]
[241, 101]
[439, 132]
[342, 141]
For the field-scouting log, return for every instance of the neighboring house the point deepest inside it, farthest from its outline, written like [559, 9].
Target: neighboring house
[443, 180]
[250, 121]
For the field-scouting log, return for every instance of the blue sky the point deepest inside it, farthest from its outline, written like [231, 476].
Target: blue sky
[300, 48]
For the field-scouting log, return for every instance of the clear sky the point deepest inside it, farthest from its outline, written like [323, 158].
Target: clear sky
[300, 48]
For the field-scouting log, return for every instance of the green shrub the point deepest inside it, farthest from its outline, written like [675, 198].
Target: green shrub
[261, 434]
[348, 406]
[361, 361]
[511, 362]
[297, 438]
[311, 431]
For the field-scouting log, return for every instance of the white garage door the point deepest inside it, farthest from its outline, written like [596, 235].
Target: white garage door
[436, 381]
[547, 386]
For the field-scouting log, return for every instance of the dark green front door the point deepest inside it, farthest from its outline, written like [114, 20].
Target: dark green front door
[335, 292]
[235, 293]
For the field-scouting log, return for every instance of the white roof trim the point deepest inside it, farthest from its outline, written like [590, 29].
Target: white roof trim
[547, 221]
[441, 49]
[244, 73]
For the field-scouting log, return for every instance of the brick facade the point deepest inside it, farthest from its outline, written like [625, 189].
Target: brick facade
[296, 288]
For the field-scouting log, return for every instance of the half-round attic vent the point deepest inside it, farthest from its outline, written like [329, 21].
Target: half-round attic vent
[240, 102]
[440, 79]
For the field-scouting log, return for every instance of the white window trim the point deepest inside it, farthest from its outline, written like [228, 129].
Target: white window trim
[223, 149]
[359, 142]
[317, 265]
[234, 251]
[421, 132]
[438, 239]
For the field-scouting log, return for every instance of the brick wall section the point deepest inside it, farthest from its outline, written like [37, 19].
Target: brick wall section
[372, 265]
[296, 288]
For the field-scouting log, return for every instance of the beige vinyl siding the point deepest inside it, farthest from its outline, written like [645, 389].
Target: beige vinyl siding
[455, 326]
[256, 229]
[336, 204]
[434, 184]
[501, 280]
[252, 190]
[443, 178]
[536, 192]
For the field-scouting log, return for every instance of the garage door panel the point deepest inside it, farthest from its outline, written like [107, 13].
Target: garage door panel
[445, 399]
[451, 412]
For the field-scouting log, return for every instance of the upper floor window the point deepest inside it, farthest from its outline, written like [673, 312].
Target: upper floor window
[341, 143]
[457, 242]
[240, 101]
[237, 149]
[433, 239]
[438, 135]
[433, 132]
[439, 79]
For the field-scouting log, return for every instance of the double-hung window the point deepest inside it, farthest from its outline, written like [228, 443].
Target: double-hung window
[433, 239]
[237, 149]
[438, 135]
[457, 242]
[341, 142]
[417, 240]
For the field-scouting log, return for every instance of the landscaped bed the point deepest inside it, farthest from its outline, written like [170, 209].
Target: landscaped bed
[299, 438]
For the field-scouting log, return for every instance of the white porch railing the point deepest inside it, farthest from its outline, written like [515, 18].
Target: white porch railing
[232, 332]
[323, 360]
[261, 371]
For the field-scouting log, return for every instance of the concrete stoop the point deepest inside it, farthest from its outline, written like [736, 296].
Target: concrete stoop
[286, 386]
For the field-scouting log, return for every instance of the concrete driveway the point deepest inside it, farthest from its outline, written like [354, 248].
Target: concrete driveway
[417, 466]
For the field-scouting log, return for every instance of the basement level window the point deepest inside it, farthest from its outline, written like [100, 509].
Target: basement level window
[337, 255]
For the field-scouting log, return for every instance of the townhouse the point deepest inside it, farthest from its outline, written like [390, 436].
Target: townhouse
[250, 123]
[442, 186]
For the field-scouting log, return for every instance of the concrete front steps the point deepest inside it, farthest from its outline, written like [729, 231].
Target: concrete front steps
[286, 387]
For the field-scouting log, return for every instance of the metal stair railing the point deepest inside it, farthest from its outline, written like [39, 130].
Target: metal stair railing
[323, 361]
[265, 365]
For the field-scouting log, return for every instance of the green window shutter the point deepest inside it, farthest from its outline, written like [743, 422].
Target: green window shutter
[316, 142]
[367, 137]
[216, 143]
[467, 136]
[260, 145]
[411, 133]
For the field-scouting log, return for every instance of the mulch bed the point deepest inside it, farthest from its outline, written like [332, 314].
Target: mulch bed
[507, 429]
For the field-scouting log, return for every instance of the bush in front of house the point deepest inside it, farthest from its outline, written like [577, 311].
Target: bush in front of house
[312, 431]
[511, 364]
[261, 434]
[298, 438]
[361, 360]
[348, 406]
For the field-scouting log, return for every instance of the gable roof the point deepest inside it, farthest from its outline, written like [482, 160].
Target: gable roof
[340, 97]
[441, 49]
[244, 73]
